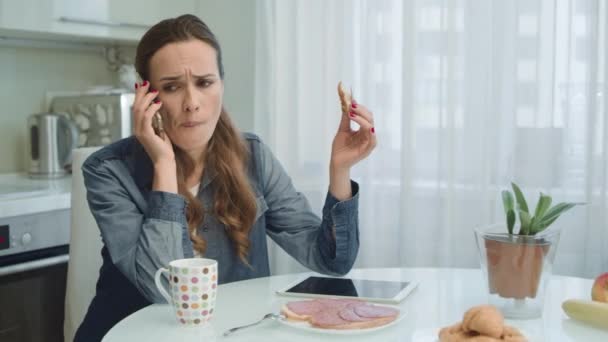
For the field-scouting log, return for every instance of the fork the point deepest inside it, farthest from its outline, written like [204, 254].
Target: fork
[266, 316]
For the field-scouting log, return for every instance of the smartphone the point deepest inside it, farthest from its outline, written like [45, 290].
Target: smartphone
[157, 124]
[157, 119]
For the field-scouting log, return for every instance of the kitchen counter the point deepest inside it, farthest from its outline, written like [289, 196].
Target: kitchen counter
[22, 195]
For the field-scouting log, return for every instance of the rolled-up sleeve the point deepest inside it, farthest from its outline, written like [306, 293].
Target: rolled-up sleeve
[140, 238]
[291, 223]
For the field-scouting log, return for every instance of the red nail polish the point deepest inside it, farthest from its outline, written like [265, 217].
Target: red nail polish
[354, 103]
[136, 85]
[154, 91]
[145, 83]
[157, 101]
[351, 114]
[373, 130]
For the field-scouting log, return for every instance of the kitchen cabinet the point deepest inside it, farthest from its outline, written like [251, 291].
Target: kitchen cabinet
[93, 21]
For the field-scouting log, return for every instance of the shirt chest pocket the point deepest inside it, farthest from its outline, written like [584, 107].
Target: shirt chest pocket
[260, 207]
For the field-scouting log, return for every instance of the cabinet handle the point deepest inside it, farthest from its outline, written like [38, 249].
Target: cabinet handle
[101, 22]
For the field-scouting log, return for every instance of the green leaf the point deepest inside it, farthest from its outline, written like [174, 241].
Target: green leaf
[544, 224]
[533, 225]
[553, 213]
[521, 201]
[510, 220]
[544, 202]
[525, 219]
[507, 200]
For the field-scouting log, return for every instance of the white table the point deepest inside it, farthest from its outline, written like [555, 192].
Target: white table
[441, 298]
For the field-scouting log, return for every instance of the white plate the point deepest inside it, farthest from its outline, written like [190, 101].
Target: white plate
[307, 327]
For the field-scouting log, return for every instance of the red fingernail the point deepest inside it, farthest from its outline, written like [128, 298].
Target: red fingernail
[157, 101]
[373, 130]
[354, 103]
[352, 115]
[136, 85]
[154, 91]
[145, 83]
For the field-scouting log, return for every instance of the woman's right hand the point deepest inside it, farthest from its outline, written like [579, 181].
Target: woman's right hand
[160, 150]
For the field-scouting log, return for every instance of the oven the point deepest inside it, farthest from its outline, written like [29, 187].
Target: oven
[33, 270]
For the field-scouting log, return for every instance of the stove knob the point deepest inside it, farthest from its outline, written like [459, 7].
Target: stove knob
[26, 239]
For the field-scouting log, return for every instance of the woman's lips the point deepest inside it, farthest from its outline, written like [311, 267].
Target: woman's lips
[189, 124]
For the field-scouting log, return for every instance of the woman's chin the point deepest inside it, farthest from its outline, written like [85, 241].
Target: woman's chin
[191, 144]
[190, 139]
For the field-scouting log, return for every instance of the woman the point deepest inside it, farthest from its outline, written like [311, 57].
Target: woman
[201, 187]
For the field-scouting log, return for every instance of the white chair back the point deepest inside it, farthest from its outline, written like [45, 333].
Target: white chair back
[85, 248]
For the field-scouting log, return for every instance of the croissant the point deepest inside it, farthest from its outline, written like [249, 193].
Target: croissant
[346, 98]
[484, 319]
[482, 323]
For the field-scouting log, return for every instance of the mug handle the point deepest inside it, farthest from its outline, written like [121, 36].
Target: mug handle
[159, 284]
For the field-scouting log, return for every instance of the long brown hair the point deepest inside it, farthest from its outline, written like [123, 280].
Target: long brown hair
[227, 153]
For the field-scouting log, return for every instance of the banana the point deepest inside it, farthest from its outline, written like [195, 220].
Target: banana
[591, 312]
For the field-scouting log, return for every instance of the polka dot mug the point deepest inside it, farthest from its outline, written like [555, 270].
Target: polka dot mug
[192, 289]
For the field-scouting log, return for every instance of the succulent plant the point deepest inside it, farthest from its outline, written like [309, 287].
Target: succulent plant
[531, 223]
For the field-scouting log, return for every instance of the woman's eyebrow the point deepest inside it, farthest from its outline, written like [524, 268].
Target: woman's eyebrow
[177, 77]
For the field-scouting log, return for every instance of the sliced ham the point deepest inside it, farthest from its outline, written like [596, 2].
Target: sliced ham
[330, 313]
[328, 318]
[305, 307]
[308, 307]
[374, 311]
[348, 313]
[338, 302]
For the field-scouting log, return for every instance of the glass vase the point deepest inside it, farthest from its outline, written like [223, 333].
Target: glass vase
[516, 268]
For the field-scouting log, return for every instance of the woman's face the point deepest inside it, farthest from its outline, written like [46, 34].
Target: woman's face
[187, 78]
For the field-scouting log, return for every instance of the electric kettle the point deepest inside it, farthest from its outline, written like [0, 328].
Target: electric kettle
[52, 139]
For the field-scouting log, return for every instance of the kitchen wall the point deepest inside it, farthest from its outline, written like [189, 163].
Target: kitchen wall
[27, 72]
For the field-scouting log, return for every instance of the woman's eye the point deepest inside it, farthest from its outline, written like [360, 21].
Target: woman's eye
[204, 83]
[170, 88]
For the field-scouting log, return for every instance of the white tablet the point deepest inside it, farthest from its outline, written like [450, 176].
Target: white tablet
[373, 290]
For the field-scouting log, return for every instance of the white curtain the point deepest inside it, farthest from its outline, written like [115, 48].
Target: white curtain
[467, 97]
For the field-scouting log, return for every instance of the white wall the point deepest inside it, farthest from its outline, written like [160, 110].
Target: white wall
[26, 74]
[233, 22]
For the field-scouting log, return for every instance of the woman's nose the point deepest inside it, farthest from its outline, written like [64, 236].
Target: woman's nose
[190, 102]
[191, 107]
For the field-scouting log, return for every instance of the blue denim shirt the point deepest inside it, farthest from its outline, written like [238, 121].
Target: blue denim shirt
[143, 230]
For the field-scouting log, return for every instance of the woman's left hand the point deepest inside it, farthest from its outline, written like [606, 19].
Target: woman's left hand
[349, 146]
